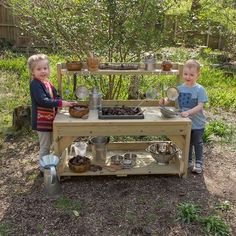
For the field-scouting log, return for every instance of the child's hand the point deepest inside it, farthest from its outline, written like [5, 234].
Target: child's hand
[68, 104]
[185, 114]
[163, 101]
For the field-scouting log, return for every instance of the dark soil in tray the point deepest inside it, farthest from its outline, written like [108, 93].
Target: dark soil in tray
[120, 112]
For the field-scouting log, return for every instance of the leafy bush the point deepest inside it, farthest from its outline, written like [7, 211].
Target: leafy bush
[217, 128]
[214, 225]
[188, 212]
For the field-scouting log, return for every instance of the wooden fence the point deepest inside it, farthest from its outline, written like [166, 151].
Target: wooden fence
[9, 32]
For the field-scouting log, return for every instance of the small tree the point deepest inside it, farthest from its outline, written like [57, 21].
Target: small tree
[117, 30]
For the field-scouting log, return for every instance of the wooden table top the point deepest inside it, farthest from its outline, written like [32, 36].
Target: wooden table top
[151, 115]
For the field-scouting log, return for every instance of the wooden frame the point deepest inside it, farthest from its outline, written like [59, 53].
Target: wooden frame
[66, 129]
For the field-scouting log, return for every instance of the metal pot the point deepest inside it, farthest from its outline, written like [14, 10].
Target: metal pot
[52, 186]
[99, 148]
[51, 182]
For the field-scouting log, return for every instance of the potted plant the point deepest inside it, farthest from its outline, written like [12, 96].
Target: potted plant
[166, 65]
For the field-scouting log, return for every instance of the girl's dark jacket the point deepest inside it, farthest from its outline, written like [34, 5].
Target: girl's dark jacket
[44, 107]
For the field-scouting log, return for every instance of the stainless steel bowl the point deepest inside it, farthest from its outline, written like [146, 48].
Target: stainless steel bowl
[163, 152]
[169, 112]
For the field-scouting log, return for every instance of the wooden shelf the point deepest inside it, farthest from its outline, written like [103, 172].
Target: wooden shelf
[145, 165]
[121, 72]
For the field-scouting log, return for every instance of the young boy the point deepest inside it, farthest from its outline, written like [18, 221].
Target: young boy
[45, 102]
[192, 97]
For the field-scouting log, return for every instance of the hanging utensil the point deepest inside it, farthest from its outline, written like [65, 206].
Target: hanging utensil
[67, 91]
[74, 82]
[82, 92]
[172, 93]
[151, 93]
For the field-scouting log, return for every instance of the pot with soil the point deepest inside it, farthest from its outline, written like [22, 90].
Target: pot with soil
[79, 164]
[74, 65]
[166, 65]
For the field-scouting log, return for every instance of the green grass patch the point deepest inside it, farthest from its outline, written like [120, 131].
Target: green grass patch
[5, 229]
[188, 212]
[72, 207]
[218, 128]
[213, 224]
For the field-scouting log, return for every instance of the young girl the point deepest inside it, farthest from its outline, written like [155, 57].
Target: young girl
[45, 102]
[192, 97]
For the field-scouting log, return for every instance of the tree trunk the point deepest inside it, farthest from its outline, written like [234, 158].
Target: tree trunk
[21, 118]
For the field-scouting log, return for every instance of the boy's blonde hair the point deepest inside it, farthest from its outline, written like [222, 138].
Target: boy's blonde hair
[192, 64]
[32, 61]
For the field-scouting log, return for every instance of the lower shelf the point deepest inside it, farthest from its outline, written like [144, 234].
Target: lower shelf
[145, 165]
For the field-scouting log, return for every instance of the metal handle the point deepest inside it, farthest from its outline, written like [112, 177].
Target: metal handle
[53, 174]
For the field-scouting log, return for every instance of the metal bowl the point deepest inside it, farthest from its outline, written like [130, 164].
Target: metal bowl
[116, 159]
[169, 112]
[129, 160]
[162, 152]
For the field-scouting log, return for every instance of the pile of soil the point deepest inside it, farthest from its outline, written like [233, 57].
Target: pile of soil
[134, 205]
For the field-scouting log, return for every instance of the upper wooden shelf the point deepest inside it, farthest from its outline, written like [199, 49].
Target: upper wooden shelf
[122, 72]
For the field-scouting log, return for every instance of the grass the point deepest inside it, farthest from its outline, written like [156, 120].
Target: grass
[224, 206]
[218, 128]
[5, 230]
[188, 212]
[213, 224]
[68, 205]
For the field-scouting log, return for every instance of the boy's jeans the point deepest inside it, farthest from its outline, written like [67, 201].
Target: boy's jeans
[45, 142]
[196, 142]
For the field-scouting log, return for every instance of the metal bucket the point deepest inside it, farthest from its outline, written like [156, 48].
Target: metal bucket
[99, 148]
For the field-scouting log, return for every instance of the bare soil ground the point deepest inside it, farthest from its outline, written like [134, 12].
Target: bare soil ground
[135, 205]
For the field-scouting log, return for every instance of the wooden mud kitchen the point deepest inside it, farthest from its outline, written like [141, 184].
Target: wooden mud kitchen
[66, 129]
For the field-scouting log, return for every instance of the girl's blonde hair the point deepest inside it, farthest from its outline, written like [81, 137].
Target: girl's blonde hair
[32, 61]
[192, 64]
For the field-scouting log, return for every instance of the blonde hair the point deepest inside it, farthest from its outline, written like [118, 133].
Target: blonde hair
[32, 61]
[192, 64]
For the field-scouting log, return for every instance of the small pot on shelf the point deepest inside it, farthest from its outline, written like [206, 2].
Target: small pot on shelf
[166, 65]
[74, 65]
[93, 63]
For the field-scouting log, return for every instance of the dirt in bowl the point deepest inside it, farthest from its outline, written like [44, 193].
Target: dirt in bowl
[78, 111]
[79, 160]
[79, 164]
[79, 108]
